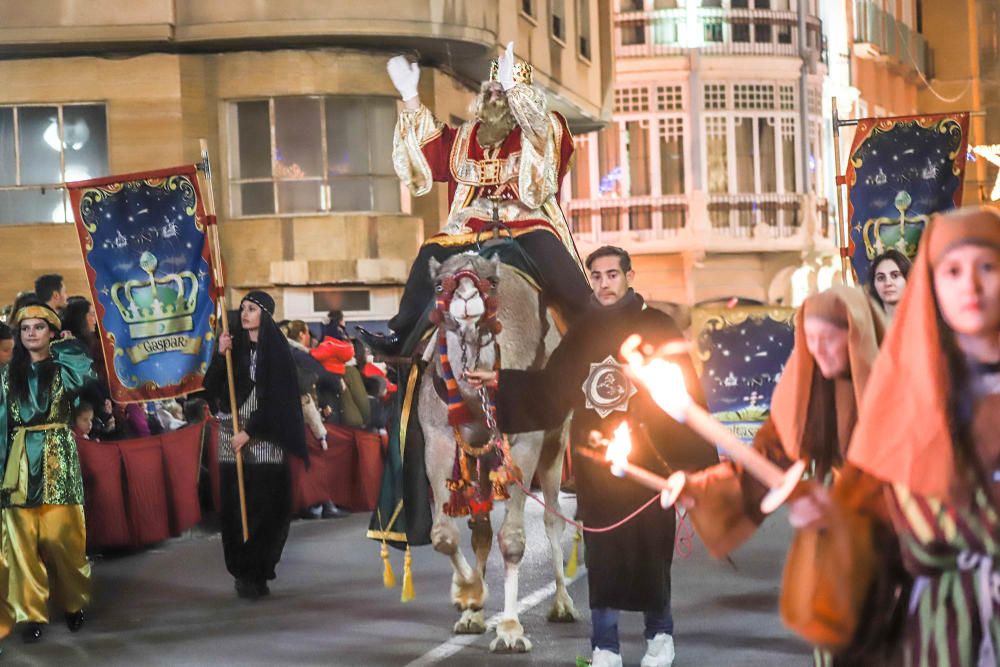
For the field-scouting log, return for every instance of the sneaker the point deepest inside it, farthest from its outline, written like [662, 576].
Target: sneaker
[659, 651]
[602, 658]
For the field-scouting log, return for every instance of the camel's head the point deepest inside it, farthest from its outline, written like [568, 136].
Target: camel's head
[465, 292]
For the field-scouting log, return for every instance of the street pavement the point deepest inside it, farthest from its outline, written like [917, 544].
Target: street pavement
[175, 605]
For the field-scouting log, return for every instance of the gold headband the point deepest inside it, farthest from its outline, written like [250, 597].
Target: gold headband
[37, 312]
[522, 72]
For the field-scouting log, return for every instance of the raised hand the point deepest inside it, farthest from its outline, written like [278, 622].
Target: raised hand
[405, 76]
[505, 67]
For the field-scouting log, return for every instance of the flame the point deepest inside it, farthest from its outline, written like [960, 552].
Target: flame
[664, 380]
[619, 446]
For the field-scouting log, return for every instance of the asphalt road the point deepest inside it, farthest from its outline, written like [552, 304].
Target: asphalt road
[175, 605]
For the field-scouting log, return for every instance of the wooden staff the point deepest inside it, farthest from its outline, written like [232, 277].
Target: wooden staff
[842, 231]
[220, 281]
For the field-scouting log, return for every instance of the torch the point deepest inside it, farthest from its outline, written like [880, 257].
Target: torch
[617, 452]
[665, 382]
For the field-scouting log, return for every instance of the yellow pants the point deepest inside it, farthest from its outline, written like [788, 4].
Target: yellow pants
[49, 536]
[6, 612]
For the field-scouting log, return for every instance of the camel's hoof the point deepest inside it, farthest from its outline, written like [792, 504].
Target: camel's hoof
[563, 611]
[471, 623]
[510, 638]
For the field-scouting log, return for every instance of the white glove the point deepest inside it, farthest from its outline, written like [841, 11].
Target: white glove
[405, 76]
[505, 67]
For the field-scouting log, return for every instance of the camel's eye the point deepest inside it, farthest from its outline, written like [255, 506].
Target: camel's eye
[438, 288]
[494, 281]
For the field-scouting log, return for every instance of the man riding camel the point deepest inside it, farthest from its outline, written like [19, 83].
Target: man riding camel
[503, 170]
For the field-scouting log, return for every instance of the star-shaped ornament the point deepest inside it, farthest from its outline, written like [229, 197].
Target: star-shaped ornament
[608, 388]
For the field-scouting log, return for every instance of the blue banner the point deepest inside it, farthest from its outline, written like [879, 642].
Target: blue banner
[742, 352]
[901, 171]
[148, 261]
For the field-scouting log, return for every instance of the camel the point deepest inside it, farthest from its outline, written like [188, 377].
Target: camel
[476, 289]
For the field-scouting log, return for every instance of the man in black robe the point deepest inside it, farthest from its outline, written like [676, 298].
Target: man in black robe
[628, 568]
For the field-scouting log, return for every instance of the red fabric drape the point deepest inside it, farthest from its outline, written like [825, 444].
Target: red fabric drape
[104, 496]
[145, 490]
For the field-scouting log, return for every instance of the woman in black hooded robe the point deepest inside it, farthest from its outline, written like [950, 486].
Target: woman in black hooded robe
[271, 429]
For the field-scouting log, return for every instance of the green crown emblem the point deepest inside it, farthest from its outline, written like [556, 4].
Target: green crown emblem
[157, 306]
[902, 232]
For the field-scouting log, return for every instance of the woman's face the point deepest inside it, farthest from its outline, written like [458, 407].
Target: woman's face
[889, 282]
[91, 319]
[35, 334]
[827, 343]
[250, 315]
[967, 288]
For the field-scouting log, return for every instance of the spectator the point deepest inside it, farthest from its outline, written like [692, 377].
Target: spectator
[889, 272]
[169, 414]
[83, 420]
[195, 410]
[327, 385]
[6, 344]
[333, 326]
[51, 290]
[22, 299]
[79, 319]
[337, 356]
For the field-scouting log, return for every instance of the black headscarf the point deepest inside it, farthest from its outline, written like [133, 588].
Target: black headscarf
[279, 411]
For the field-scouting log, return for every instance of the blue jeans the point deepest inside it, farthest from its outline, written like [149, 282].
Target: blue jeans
[604, 626]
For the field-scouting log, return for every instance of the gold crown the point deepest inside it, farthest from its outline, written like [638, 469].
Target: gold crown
[157, 306]
[522, 71]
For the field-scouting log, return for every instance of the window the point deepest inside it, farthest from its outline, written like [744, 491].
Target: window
[345, 300]
[558, 10]
[671, 156]
[527, 7]
[631, 99]
[583, 27]
[581, 170]
[40, 148]
[300, 155]
[717, 152]
[669, 98]
[609, 161]
[637, 146]
[632, 33]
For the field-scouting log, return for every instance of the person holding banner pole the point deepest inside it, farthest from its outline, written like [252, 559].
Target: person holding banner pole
[42, 491]
[271, 428]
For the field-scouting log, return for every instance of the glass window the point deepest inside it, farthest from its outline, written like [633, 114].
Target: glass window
[788, 154]
[672, 157]
[581, 170]
[765, 151]
[609, 161]
[41, 147]
[330, 153]
[346, 300]
[583, 27]
[717, 152]
[527, 8]
[637, 136]
[558, 10]
[744, 131]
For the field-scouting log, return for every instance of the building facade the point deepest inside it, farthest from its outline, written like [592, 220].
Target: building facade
[717, 173]
[298, 111]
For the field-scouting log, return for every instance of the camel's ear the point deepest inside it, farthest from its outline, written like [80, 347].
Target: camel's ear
[434, 266]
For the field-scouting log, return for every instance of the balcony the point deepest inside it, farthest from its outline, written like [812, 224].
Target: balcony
[713, 31]
[759, 222]
[878, 35]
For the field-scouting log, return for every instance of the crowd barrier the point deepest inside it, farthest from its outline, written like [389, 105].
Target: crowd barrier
[142, 491]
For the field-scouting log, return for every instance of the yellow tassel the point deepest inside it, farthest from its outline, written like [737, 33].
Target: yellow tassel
[573, 557]
[408, 593]
[388, 576]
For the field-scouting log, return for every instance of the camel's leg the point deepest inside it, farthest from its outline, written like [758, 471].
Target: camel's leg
[550, 475]
[482, 540]
[468, 587]
[510, 637]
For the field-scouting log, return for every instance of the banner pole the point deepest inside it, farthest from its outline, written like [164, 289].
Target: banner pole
[220, 281]
[842, 230]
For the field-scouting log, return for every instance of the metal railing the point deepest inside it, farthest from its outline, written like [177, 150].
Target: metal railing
[755, 215]
[650, 218]
[713, 31]
[889, 37]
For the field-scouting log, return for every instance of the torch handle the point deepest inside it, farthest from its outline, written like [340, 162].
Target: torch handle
[715, 432]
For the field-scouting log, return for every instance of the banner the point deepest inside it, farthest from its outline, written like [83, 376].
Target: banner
[148, 263]
[741, 352]
[901, 170]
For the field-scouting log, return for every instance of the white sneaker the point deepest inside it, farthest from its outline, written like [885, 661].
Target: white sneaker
[659, 651]
[602, 658]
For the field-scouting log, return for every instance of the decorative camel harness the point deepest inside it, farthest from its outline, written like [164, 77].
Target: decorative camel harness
[480, 474]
